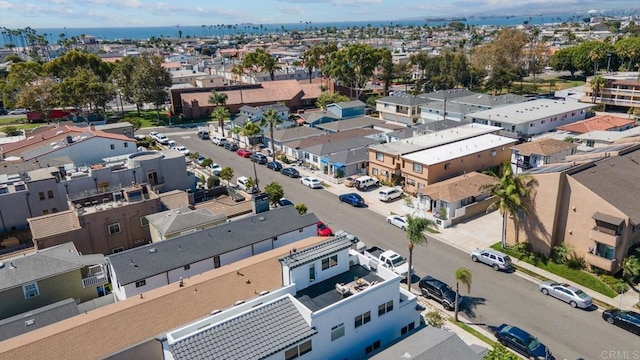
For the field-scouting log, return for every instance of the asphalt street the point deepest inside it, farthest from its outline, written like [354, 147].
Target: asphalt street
[495, 297]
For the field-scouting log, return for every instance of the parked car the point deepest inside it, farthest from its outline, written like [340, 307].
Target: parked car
[389, 194]
[349, 181]
[244, 153]
[162, 139]
[628, 320]
[567, 293]
[17, 112]
[215, 169]
[203, 134]
[365, 182]
[200, 159]
[352, 199]
[397, 220]
[495, 259]
[153, 134]
[243, 184]
[323, 230]
[231, 146]
[3, 111]
[172, 144]
[522, 342]
[285, 202]
[311, 182]
[290, 172]
[140, 137]
[182, 149]
[433, 288]
[274, 165]
[259, 158]
[218, 140]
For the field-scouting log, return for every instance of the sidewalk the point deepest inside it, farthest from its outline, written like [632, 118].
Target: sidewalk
[480, 232]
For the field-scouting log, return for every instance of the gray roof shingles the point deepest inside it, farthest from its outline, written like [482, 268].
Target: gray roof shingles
[46, 315]
[257, 334]
[171, 221]
[313, 253]
[152, 259]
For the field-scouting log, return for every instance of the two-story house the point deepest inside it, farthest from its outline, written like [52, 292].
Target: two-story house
[154, 265]
[44, 277]
[335, 303]
[175, 222]
[540, 152]
[458, 107]
[400, 108]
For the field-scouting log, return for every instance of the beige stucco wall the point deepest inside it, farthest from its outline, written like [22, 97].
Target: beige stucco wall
[390, 163]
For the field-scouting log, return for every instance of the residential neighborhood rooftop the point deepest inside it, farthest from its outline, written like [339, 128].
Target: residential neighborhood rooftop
[172, 221]
[458, 149]
[459, 187]
[38, 318]
[600, 123]
[543, 147]
[523, 113]
[352, 123]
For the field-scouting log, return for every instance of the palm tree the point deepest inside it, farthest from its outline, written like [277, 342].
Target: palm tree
[271, 118]
[597, 82]
[238, 71]
[216, 99]
[510, 190]
[416, 226]
[630, 268]
[220, 113]
[463, 275]
[249, 130]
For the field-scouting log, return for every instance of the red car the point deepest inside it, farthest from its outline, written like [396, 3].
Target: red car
[244, 153]
[323, 230]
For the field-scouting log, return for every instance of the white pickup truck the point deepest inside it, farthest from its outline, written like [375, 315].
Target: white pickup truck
[390, 259]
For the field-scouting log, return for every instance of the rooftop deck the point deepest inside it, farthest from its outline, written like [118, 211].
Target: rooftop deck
[324, 293]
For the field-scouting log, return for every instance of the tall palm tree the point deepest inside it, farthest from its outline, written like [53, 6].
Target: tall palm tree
[464, 277]
[271, 118]
[597, 82]
[249, 131]
[238, 71]
[220, 113]
[416, 226]
[510, 190]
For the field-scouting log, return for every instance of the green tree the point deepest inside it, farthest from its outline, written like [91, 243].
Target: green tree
[629, 48]
[220, 113]
[212, 181]
[499, 352]
[151, 81]
[274, 192]
[596, 83]
[464, 277]
[504, 57]
[563, 60]
[206, 163]
[38, 96]
[135, 122]
[631, 268]
[301, 208]
[238, 71]
[354, 65]
[271, 118]
[226, 174]
[435, 319]
[122, 77]
[11, 131]
[327, 98]
[386, 69]
[19, 75]
[416, 226]
[510, 191]
[249, 131]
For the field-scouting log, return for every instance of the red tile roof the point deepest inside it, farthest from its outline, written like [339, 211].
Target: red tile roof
[602, 123]
[269, 92]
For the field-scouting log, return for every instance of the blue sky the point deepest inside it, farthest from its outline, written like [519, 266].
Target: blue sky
[125, 13]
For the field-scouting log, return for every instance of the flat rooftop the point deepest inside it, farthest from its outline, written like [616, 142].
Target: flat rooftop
[432, 140]
[324, 294]
[459, 149]
[526, 112]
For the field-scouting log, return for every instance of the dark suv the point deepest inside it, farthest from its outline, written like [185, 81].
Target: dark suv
[433, 288]
[259, 158]
[231, 146]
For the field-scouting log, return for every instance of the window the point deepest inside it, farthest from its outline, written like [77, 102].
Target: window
[371, 348]
[144, 221]
[41, 195]
[315, 158]
[45, 211]
[126, 144]
[493, 153]
[329, 262]
[216, 262]
[112, 146]
[374, 171]
[447, 166]
[312, 272]
[407, 328]
[113, 228]
[411, 182]
[186, 267]
[362, 319]
[30, 290]
[605, 251]
[379, 156]
[298, 350]
[117, 250]
[417, 168]
[385, 308]
[636, 228]
[141, 283]
[50, 194]
[54, 210]
[337, 332]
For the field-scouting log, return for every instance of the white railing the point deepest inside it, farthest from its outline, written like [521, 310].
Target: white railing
[94, 280]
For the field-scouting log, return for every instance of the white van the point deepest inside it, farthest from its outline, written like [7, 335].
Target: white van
[365, 182]
[389, 194]
[242, 185]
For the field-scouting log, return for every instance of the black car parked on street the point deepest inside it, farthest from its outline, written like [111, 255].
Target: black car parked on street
[433, 288]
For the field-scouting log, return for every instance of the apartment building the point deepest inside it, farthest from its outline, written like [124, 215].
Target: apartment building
[334, 304]
[540, 152]
[385, 160]
[619, 90]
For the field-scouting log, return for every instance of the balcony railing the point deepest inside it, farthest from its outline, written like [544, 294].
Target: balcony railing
[93, 280]
[602, 263]
[604, 236]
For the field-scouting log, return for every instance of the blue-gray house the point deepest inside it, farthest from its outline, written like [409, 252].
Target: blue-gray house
[347, 109]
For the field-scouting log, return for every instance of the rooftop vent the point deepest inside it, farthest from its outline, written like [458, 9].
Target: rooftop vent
[239, 302]
[152, 250]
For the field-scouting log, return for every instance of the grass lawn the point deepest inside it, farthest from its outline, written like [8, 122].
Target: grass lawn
[149, 118]
[13, 120]
[577, 276]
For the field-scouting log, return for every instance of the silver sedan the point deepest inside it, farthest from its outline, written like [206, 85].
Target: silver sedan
[567, 293]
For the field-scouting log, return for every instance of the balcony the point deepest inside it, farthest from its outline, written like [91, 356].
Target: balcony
[604, 236]
[95, 276]
[602, 263]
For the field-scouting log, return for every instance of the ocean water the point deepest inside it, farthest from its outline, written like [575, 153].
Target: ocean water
[210, 30]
